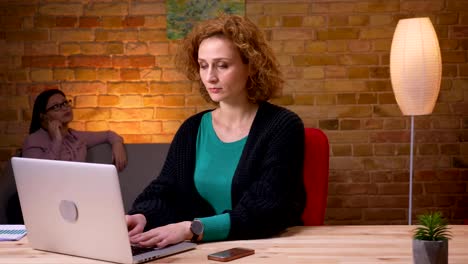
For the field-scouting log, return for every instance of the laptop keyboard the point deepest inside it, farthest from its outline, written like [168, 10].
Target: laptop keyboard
[136, 250]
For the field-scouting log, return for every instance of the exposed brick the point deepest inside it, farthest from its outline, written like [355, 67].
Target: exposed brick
[112, 22]
[43, 61]
[11, 22]
[66, 21]
[341, 150]
[340, 33]
[155, 22]
[106, 9]
[151, 127]
[126, 127]
[44, 21]
[338, 20]
[328, 124]
[116, 35]
[315, 46]
[69, 48]
[142, 8]
[89, 22]
[61, 9]
[85, 74]
[359, 59]
[13, 9]
[450, 149]
[388, 202]
[158, 48]
[129, 74]
[136, 48]
[336, 72]
[133, 61]
[97, 126]
[108, 100]
[27, 35]
[384, 214]
[131, 114]
[314, 21]
[95, 87]
[422, 6]
[172, 75]
[104, 74]
[127, 88]
[170, 88]
[71, 35]
[350, 124]
[285, 8]
[394, 124]
[358, 20]
[377, 33]
[292, 34]
[83, 101]
[92, 48]
[42, 48]
[172, 113]
[90, 61]
[86, 114]
[344, 214]
[114, 48]
[152, 35]
[445, 187]
[362, 150]
[325, 99]
[41, 75]
[195, 100]
[131, 101]
[170, 126]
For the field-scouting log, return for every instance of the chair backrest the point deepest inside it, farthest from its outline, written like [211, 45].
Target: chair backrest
[316, 158]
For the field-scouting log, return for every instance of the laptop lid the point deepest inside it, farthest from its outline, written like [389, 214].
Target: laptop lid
[76, 208]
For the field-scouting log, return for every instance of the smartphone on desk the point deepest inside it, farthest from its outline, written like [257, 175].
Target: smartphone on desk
[231, 254]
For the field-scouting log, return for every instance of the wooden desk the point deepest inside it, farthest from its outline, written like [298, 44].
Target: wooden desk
[323, 244]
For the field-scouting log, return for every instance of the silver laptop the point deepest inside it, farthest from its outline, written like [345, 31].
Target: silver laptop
[76, 208]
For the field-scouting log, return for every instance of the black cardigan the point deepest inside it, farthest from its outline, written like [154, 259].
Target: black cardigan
[267, 188]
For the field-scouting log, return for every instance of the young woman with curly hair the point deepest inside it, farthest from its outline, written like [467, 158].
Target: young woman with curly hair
[235, 171]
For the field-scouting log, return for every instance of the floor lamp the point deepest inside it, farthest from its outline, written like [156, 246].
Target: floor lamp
[415, 72]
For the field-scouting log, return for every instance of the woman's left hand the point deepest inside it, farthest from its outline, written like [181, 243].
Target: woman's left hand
[119, 155]
[164, 235]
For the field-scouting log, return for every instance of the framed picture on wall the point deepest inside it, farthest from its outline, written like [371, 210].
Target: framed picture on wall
[183, 14]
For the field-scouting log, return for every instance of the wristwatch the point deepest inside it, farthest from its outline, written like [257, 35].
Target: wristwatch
[197, 230]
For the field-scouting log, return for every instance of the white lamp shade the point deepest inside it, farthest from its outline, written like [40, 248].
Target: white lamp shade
[415, 66]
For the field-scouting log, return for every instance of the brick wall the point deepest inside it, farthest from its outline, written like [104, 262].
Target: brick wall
[114, 60]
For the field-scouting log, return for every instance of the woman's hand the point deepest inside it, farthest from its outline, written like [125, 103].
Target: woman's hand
[135, 224]
[54, 127]
[163, 236]
[119, 155]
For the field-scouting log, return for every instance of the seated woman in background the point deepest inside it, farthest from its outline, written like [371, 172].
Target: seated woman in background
[233, 172]
[51, 138]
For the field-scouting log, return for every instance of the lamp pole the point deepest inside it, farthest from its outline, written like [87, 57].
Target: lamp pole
[410, 202]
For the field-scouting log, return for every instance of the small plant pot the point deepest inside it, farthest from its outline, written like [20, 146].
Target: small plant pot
[430, 252]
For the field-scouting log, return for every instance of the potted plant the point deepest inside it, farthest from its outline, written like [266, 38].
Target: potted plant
[430, 239]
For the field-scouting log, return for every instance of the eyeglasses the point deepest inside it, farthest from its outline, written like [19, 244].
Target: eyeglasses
[59, 106]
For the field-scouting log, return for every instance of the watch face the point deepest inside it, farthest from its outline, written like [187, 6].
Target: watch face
[196, 227]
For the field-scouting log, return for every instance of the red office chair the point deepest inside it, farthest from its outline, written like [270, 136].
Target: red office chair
[316, 157]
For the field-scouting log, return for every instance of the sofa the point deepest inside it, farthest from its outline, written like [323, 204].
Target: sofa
[145, 161]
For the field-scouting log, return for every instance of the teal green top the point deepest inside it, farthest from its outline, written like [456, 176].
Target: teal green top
[215, 165]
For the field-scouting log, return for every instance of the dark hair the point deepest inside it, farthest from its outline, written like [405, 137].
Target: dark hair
[265, 78]
[39, 108]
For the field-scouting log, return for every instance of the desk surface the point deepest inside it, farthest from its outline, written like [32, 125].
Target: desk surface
[323, 244]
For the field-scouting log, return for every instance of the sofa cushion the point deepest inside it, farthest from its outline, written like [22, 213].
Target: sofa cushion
[145, 161]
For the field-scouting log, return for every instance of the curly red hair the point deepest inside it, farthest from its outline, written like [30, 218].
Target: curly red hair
[265, 78]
